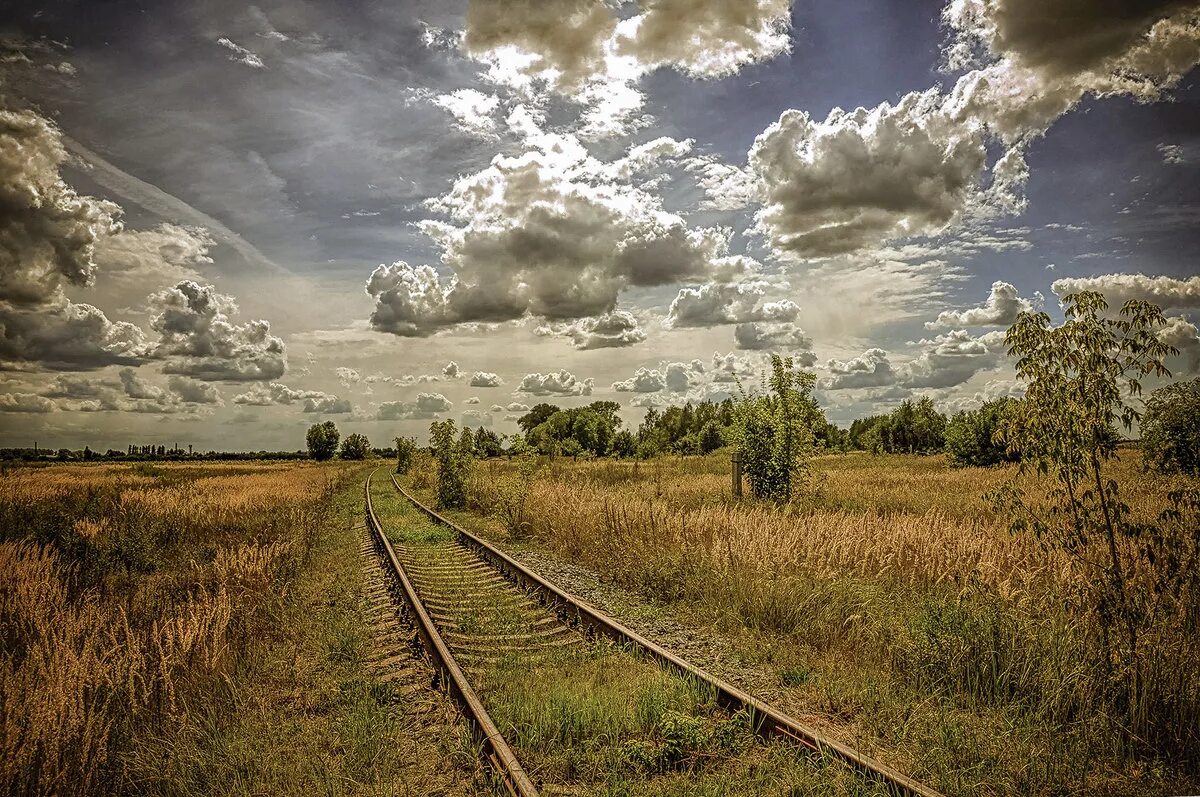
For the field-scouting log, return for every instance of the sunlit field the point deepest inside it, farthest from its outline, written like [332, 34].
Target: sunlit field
[180, 629]
[890, 604]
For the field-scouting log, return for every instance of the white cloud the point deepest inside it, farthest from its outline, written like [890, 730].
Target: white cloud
[560, 383]
[26, 402]
[645, 380]
[1184, 336]
[786, 338]
[871, 369]
[731, 367]
[485, 379]
[276, 393]
[949, 360]
[722, 303]
[472, 400]
[240, 54]
[617, 329]
[191, 391]
[427, 406]
[347, 376]
[451, 370]
[199, 340]
[517, 406]
[473, 111]
[1001, 308]
[48, 239]
[1167, 292]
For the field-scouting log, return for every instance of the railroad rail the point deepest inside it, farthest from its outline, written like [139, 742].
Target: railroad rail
[495, 750]
[767, 721]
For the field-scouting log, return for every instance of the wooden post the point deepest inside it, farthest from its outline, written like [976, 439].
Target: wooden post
[737, 474]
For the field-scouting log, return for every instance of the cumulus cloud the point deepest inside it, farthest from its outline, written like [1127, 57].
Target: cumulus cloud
[707, 38]
[475, 419]
[581, 49]
[932, 159]
[675, 377]
[786, 338]
[347, 376]
[617, 329]
[485, 379]
[871, 369]
[724, 303]
[199, 340]
[451, 370]
[192, 391]
[426, 406]
[154, 258]
[1184, 336]
[26, 402]
[472, 400]
[645, 380]
[951, 359]
[1001, 308]
[553, 233]
[48, 240]
[556, 383]
[732, 367]
[310, 401]
[1167, 292]
[1172, 154]
[860, 177]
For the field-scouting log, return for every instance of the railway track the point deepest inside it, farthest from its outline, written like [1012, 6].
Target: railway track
[475, 606]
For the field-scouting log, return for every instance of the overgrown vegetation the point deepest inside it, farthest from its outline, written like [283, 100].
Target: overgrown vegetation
[406, 449]
[453, 453]
[1138, 581]
[1170, 428]
[972, 439]
[188, 630]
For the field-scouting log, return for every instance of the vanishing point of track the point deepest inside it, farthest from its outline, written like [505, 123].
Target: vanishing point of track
[471, 574]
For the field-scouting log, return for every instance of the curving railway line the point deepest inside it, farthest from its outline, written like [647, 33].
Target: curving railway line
[474, 606]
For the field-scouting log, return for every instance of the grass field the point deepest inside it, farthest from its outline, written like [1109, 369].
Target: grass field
[892, 606]
[195, 629]
[200, 629]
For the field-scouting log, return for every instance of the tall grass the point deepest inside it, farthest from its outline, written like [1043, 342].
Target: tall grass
[899, 565]
[129, 603]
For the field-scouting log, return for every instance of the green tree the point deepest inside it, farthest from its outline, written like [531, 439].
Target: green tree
[322, 439]
[452, 453]
[406, 447]
[355, 446]
[971, 437]
[487, 443]
[536, 417]
[1171, 428]
[773, 432]
[1080, 377]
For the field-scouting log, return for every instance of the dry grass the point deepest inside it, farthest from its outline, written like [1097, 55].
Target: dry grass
[904, 595]
[130, 600]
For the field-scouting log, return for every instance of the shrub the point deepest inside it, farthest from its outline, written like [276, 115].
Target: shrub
[773, 433]
[971, 436]
[453, 455]
[322, 440]
[406, 447]
[1137, 580]
[355, 446]
[1171, 428]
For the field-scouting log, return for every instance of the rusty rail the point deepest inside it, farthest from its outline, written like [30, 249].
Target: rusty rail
[495, 749]
[766, 720]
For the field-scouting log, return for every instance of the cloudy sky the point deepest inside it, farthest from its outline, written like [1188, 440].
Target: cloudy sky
[221, 222]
